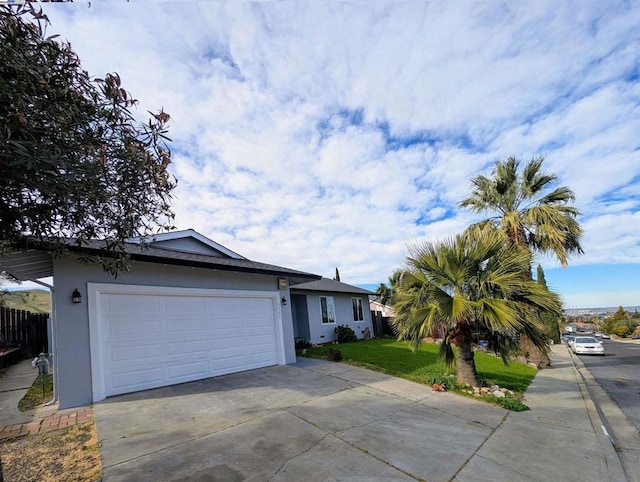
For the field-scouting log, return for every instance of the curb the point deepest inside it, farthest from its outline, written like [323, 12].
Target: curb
[612, 421]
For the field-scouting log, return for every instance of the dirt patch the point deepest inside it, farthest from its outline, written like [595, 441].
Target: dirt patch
[71, 453]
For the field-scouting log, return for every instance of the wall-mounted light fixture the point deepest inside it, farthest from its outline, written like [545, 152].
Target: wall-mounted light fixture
[284, 300]
[76, 297]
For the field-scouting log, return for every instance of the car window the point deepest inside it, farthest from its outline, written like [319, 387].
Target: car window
[586, 340]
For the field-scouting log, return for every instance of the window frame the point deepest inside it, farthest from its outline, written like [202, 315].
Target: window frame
[330, 307]
[357, 307]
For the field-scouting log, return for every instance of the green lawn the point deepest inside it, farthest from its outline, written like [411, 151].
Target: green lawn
[396, 358]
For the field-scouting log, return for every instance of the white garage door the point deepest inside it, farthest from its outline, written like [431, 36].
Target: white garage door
[151, 337]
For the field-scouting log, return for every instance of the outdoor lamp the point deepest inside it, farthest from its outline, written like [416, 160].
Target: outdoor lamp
[284, 300]
[76, 297]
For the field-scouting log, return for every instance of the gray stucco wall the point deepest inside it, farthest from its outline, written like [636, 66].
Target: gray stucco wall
[72, 353]
[324, 333]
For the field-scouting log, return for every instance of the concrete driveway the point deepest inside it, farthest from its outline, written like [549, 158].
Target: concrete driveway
[310, 421]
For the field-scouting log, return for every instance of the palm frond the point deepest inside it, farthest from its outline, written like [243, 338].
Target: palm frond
[446, 354]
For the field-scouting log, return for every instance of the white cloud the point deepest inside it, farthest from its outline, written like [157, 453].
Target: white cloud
[316, 135]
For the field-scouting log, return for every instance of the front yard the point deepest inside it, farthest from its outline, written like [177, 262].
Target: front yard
[395, 358]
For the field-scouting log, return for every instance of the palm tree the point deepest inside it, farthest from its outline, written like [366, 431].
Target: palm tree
[530, 213]
[526, 210]
[384, 293]
[465, 285]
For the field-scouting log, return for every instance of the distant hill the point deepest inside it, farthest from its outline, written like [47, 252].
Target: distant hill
[35, 301]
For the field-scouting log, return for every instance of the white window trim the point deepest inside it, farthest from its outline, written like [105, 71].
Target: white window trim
[361, 308]
[333, 304]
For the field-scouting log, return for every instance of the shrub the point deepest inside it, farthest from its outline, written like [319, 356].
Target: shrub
[449, 381]
[509, 403]
[303, 344]
[333, 354]
[344, 334]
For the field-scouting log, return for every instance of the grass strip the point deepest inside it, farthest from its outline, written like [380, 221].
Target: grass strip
[387, 355]
[34, 396]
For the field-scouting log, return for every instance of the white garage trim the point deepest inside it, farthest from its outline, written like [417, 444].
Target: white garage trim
[97, 325]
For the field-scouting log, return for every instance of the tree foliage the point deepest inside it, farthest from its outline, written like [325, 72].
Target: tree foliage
[527, 208]
[74, 161]
[621, 323]
[387, 292]
[551, 320]
[467, 284]
[384, 293]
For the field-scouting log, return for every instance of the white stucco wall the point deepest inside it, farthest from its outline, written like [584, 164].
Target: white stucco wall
[72, 351]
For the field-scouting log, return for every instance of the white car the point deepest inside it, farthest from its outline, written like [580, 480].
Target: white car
[587, 345]
[605, 336]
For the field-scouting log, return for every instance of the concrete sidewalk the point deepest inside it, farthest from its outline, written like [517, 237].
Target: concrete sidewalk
[560, 438]
[14, 384]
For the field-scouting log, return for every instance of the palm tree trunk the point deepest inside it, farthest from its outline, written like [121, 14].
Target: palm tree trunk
[465, 363]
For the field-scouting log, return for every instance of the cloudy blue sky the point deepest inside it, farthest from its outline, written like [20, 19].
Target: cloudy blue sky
[317, 135]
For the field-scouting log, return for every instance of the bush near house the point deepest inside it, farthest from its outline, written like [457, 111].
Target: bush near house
[345, 334]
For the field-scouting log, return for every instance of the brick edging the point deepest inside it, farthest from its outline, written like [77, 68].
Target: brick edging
[46, 424]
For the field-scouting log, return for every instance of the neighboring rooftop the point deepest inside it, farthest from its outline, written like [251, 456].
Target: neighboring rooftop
[331, 285]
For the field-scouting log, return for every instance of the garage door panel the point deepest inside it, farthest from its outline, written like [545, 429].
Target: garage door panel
[132, 380]
[186, 324]
[187, 347]
[152, 340]
[122, 329]
[228, 352]
[188, 371]
[151, 352]
[227, 322]
[227, 305]
[185, 304]
[257, 361]
[256, 307]
[117, 304]
[259, 331]
[229, 365]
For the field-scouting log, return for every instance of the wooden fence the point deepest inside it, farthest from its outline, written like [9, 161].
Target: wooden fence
[381, 325]
[19, 328]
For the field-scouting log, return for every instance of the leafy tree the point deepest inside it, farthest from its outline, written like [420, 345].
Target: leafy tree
[470, 284]
[540, 278]
[620, 314]
[530, 213]
[74, 162]
[551, 320]
[620, 323]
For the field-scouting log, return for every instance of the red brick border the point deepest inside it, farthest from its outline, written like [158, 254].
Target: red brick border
[52, 422]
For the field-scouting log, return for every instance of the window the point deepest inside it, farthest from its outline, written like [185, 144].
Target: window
[328, 310]
[358, 314]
